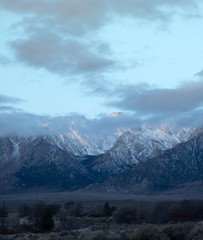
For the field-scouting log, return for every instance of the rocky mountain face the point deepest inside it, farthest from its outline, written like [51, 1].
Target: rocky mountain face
[38, 163]
[80, 136]
[133, 147]
[73, 159]
[181, 164]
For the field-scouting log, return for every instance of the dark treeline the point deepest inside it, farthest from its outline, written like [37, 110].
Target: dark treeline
[159, 213]
[42, 217]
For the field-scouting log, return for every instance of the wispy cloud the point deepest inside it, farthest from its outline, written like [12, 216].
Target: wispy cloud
[9, 100]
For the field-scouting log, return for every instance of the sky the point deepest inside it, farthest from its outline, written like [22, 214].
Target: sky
[141, 58]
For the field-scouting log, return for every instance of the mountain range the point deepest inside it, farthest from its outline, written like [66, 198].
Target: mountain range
[171, 168]
[146, 158]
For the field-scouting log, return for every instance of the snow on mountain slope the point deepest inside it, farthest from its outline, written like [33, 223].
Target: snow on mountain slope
[82, 145]
[74, 152]
[122, 148]
[182, 164]
[136, 145]
[81, 137]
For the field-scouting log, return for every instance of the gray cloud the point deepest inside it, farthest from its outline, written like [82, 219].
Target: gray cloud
[17, 122]
[43, 20]
[25, 124]
[60, 55]
[56, 34]
[4, 60]
[77, 16]
[146, 100]
[9, 100]
[92, 14]
[199, 74]
[191, 119]
[153, 104]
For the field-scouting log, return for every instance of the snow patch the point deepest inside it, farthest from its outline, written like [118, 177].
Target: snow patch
[16, 152]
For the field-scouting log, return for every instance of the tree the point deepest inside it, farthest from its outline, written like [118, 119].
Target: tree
[3, 216]
[47, 222]
[36, 215]
[54, 208]
[107, 210]
[39, 215]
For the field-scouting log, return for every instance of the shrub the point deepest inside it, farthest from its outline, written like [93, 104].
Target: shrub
[178, 231]
[149, 232]
[196, 233]
[96, 210]
[187, 210]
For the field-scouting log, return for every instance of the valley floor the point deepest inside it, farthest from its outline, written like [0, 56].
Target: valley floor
[187, 191]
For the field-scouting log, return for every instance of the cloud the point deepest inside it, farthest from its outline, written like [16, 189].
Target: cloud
[83, 15]
[9, 100]
[151, 104]
[15, 121]
[199, 74]
[190, 119]
[146, 100]
[49, 51]
[75, 16]
[4, 60]
[59, 36]
[57, 31]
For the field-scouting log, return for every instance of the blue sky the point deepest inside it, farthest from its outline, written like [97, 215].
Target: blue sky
[91, 57]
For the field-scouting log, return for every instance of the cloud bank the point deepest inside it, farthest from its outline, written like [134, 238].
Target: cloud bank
[179, 107]
[14, 121]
